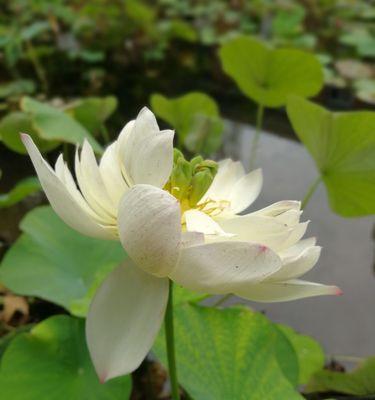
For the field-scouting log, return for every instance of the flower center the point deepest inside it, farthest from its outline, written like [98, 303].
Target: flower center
[190, 181]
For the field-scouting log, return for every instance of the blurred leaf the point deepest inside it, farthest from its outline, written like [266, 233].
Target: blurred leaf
[227, 354]
[343, 147]
[23, 188]
[365, 90]
[17, 87]
[181, 112]
[19, 122]
[362, 39]
[205, 136]
[353, 69]
[360, 382]
[92, 112]
[54, 262]
[35, 29]
[52, 361]
[54, 124]
[309, 352]
[268, 76]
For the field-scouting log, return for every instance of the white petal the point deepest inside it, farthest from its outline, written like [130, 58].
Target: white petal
[228, 174]
[294, 267]
[270, 292]
[189, 239]
[223, 267]
[298, 248]
[152, 161]
[91, 184]
[259, 229]
[279, 208]
[64, 204]
[124, 319]
[197, 221]
[146, 152]
[110, 170]
[290, 217]
[245, 191]
[149, 223]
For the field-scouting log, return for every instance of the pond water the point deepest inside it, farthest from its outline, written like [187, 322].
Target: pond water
[345, 325]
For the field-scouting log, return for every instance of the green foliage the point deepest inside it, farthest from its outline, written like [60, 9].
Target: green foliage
[23, 188]
[54, 262]
[360, 382]
[19, 122]
[309, 352]
[92, 112]
[227, 354]
[343, 147]
[196, 118]
[52, 361]
[54, 124]
[268, 76]
[16, 87]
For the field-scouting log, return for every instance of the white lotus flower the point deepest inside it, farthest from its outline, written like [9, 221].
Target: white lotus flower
[204, 246]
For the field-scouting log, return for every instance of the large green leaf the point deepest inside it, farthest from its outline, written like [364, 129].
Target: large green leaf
[360, 382]
[54, 262]
[23, 188]
[227, 354]
[309, 352]
[268, 76]
[19, 122]
[185, 113]
[343, 147]
[54, 124]
[52, 362]
[92, 112]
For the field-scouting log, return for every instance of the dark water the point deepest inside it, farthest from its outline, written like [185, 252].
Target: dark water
[344, 325]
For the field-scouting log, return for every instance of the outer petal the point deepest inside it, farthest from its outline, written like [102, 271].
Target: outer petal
[266, 230]
[64, 204]
[223, 267]
[294, 267]
[279, 208]
[246, 190]
[110, 170]
[149, 223]
[270, 292]
[124, 319]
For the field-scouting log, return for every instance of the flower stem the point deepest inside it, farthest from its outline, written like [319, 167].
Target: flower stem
[310, 192]
[254, 144]
[222, 300]
[169, 338]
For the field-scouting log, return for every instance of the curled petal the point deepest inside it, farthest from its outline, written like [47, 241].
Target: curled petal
[124, 319]
[294, 267]
[146, 152]
[228, 174]
[245, 191]
[266, 230]
[69, 206]
[270, 292]
[223, 267]
[149, 222]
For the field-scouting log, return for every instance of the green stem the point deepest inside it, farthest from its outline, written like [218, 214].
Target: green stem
[169, 337]
[38, 67]
[222, 300]
[258, 127]
[310, 192]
